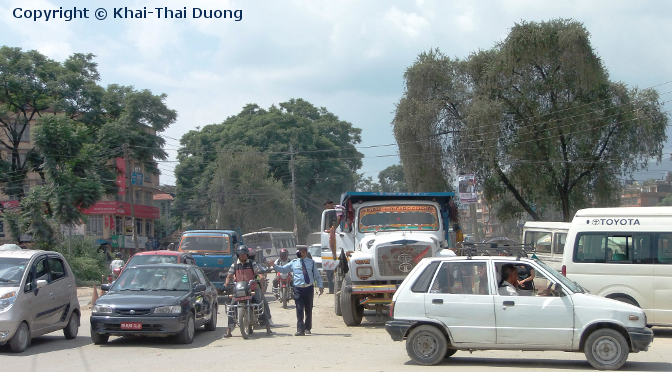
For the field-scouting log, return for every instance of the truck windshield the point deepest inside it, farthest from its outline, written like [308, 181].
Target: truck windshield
[398, 217]
[211, 243]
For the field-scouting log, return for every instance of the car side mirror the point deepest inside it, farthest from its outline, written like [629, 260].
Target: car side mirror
[558, 289]
[106, 287]
[199, 288]
[40, 284]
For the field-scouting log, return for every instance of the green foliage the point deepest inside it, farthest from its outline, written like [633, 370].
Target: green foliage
[391, 179]
[366, 184]
[536, 117]
[666, 202]
[325, 157]
[86, 260]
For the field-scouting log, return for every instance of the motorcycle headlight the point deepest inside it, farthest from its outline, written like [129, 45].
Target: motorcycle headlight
[102, 309]
[7, 300]
[168, 310]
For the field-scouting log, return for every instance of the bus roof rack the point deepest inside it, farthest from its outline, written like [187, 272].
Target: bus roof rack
[495, 249]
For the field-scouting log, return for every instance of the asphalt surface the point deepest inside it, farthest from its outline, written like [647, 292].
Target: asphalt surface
[331, 347]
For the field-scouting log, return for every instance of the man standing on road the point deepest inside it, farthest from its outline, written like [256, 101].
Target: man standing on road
[305, 272]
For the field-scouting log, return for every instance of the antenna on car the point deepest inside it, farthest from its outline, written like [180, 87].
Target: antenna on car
[491, 249]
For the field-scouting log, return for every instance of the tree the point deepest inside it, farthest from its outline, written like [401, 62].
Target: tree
[391, 179]
[325, 157]
[366, 184]
[536, 118]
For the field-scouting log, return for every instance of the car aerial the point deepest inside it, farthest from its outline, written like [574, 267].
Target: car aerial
[37, 296]
[155, 300]
[159, 257]
[462, 303]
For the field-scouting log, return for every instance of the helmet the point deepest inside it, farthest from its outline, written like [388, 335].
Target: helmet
[242, 250]
[284, 254]
[117, 255]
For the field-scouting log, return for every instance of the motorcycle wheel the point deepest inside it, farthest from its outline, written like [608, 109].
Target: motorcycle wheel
[243, 322]
[251, 320]
[285, 294]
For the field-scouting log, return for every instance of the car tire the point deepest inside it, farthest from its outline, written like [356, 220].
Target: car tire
[21, 339]
[211, 325]
[186, 335]
[352, 312]
[99, 338]
[606, 349]
[449, 353]
[72, 328]
[426, 345]
[337, 293]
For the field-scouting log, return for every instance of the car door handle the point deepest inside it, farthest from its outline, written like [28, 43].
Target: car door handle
[437, 301]
[508, 303]
[51, 294]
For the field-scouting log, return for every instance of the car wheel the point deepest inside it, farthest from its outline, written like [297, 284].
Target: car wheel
[606, 349]
[19, 343]
[70, 331]
[426, 345]
[186, 335]
[449, 353]
[211, 325]
[99, 338]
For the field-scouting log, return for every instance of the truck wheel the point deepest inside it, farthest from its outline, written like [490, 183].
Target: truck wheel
[606, 349]
[337, 294]
[426, 345]
[352, 312]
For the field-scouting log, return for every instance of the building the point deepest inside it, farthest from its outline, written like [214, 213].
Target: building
[648, 194]
[164, 202]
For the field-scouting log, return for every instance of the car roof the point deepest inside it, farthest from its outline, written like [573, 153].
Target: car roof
[178, 265]
[24, 253]
[481, 258]
[159, 253]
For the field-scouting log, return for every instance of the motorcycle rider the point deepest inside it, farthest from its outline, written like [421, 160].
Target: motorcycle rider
[251, 257]
[246, 270]
[282, 261]
[118, 263]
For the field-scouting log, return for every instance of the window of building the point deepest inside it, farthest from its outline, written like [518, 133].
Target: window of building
[163, 208]
[2, 229]
[149, 198]
[119, 225]
[148, 227]
[25, 137]
[26, 190]
[137, 168]
[138, 226]
[147, 176]
[94, 226]
[136, 197]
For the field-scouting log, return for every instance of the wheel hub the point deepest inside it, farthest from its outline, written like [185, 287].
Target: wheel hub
[426, 346]
[607, 350]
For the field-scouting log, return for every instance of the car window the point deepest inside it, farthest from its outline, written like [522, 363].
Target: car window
[462, 278]
[194, 279]
[201, 278]
[421, 285]
[57, 269]
[37, 272]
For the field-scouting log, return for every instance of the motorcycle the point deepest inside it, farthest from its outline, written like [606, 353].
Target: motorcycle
[114, 275]
[242, 309]
[283, 292]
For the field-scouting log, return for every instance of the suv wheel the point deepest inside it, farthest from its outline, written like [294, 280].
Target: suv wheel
[72, 328]
[19, 343]
[426, 345]
[606, 349]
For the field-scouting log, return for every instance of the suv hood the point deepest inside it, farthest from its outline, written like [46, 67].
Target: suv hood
[141, 298]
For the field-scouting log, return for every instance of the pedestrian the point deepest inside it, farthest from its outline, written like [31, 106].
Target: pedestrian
[305, 272]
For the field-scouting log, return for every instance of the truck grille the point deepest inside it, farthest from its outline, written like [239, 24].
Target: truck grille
[399, 260]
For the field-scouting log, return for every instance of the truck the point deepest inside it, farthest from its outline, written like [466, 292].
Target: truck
[213, 250]
[377, 240]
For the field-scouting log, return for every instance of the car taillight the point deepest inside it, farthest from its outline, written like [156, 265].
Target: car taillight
[564, 270]
[392, 309]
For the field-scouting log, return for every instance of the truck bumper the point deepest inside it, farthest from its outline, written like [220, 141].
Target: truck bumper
[640, 338]
[398, 328]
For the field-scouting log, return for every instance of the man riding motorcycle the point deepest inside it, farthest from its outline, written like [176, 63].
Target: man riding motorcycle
[118, 263]
[251, 257]
[282, 261]
[246, 270]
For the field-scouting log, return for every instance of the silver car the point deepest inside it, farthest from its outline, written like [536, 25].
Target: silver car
[37, 296]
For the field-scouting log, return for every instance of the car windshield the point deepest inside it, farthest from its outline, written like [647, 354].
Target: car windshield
[11, 270]
[151, 260]
[213, 243]
[149, 278]
[315, 251]
[574, 287]
[398, 217]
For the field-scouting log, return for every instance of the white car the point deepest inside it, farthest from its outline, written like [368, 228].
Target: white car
[461, 303]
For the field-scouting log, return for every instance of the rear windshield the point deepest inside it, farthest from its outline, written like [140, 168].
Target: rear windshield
[149, 260]
[11, 270]
[213, 243]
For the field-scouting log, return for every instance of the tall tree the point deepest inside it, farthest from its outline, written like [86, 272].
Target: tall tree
[391, 179]
[536, 117]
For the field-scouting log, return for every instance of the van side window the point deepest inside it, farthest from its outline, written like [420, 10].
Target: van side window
[560, 239]
[613, 248]
[641, 253]
[540, 240]
[590, 248]
[664, 249]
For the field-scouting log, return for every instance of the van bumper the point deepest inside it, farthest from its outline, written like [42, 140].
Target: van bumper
[640, 338]
[398, 328]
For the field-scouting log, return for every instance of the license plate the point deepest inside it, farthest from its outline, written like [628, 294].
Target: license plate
[242, 298]
[132, 326]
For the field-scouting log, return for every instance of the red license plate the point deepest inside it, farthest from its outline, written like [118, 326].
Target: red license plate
[242, 298]
[132, 326]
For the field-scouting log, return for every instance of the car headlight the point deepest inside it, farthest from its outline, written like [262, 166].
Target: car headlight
[7, 300]
[168, 310]
[102, 309]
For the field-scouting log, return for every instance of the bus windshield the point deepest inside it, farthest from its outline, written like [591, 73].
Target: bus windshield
[212, 243]
[398, 217]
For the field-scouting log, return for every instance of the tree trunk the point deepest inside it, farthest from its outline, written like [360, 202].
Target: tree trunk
[516, 194]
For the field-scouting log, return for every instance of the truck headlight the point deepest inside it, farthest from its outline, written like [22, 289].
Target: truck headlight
[7, 300]
[102, 309]
[168, 310]
[364, 272]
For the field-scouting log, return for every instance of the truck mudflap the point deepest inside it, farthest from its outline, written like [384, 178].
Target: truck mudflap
[640, 338]
[398, 328]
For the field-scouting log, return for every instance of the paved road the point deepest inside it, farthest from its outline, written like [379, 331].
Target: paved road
[331, 347]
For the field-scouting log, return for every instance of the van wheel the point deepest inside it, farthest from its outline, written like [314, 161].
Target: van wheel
[426, 345]
[19, 343]
[70, 331]
[606, 349]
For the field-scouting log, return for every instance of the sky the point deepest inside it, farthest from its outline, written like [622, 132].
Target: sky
[347, 56]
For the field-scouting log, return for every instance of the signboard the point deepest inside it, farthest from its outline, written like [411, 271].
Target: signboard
[10, 204]
[124, 209]
[77, 230]
[136, 178]
[467, 189]
[117, 241]
[125, 241]
[121, 176]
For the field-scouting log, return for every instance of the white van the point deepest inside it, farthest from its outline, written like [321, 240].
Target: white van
[624, 254]
[548, 239]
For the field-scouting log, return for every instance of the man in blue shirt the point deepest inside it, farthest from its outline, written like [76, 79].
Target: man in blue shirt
[305, 272]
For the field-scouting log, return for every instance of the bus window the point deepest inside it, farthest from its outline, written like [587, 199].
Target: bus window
[664, 251]
[590, 248]
[559, 242]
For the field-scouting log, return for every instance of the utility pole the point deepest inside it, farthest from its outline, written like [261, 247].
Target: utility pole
[291, 164]
[129, 189]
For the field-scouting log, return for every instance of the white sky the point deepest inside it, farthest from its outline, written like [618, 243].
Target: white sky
[348, 56]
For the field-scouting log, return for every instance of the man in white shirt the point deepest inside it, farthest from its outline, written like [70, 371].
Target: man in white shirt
[509, 283]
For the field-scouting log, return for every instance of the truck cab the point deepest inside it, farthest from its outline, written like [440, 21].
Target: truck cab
[376, 239]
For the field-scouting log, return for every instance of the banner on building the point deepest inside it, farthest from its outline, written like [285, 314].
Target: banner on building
[467, 188]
